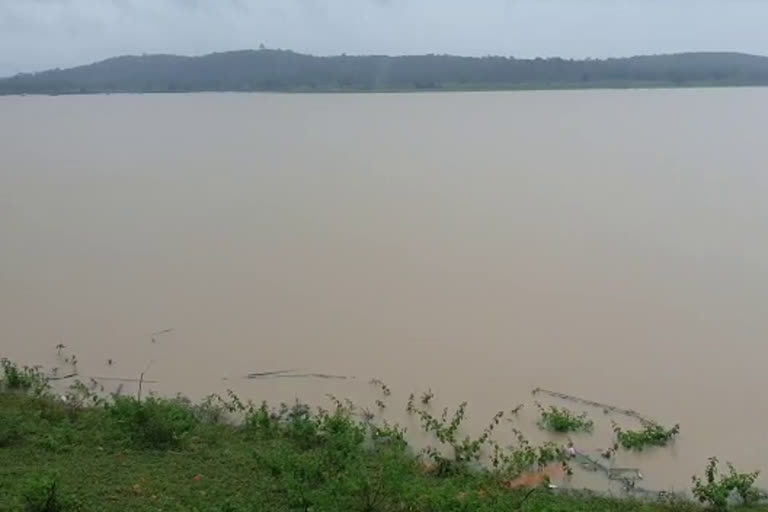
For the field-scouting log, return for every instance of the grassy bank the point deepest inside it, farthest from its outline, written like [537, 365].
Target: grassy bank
[86, 452]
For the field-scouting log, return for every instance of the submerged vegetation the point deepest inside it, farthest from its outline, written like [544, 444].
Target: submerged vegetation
[24, 378]
[652, 434]
[562, 420]
[81, 451]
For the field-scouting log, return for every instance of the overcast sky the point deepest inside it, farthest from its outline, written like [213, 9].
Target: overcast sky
[40, 34]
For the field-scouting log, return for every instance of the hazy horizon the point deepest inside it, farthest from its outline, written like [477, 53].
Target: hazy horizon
[234, 50]
[46, 34]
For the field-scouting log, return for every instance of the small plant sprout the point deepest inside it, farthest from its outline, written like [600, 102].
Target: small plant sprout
[409, 408]
[335, 401]
[351, 407]
[427, 396]
[380, 384]
[60, 347]
[492, 425]
[609, 452]
[517, 409]
[380, 404]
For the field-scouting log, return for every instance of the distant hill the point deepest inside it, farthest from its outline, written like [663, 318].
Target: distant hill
[281, 70]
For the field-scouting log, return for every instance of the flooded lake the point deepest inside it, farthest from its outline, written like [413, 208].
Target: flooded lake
[607, 244]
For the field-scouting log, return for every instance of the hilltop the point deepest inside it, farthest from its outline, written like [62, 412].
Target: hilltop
[283, 70]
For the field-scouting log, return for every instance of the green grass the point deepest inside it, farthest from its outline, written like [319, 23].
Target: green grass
[168, 454]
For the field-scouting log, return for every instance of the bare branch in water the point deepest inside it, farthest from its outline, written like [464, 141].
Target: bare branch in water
[62, 377]
[155, 334]
[125, 379]
[290, 374]
[256, 375]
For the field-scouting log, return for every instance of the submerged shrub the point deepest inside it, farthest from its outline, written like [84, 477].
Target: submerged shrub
[458, 454]
[560, 419]
[524, 457]
[26, 379]
[652, 434]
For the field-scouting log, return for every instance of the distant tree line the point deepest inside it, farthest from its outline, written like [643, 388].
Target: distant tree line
[282, 70]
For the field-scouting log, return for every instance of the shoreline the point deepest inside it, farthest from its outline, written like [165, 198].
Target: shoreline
[171, 445]
[447, 89]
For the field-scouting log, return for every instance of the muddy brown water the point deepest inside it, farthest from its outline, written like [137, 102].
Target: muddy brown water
[607, 244]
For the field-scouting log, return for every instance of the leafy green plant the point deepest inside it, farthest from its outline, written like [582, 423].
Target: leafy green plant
[463, 453]
[211, 410]
[261, 422]
[445, 431]
[25, 378]
[652, 434]
[301, 476]
[10, 430]
[154, 422]
[307, 429]
[562, 420]
[59, 441]
[235, 404]
[338, 458]
[743, 484]
[386, 434]
[373, 480]
[44, 496]
[79, 397]
[524, 457]
[715, 489]
[458, 455]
